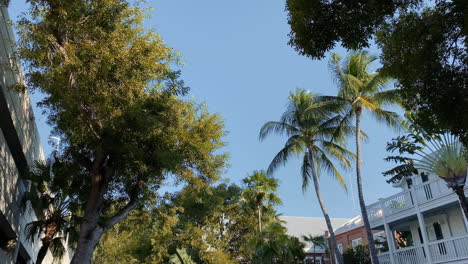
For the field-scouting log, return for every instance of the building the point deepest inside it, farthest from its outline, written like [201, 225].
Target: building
[19, 148]
[351, 234]
[423, 223]
[315, 226]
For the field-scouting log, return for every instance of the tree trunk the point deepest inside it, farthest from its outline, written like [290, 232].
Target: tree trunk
[338, 255]
[90, 230]
[362, 203]
[460, 191]
[43, 251]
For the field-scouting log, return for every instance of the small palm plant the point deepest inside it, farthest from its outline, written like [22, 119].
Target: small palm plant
[317, 241]
[311, 122]
[262, 188]
[53, 216]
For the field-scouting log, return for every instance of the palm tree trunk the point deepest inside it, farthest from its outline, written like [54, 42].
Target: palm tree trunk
[43, 251]
[460, 191]
[338, 255]
[362, 203]
[259, 209]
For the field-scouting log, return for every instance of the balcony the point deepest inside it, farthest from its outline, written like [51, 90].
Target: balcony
[425, 196]
[442, 251]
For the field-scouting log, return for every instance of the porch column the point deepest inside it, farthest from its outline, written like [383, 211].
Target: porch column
[422, 226]
[464, 217]
[390, 242]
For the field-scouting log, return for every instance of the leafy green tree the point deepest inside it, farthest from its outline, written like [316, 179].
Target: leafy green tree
[424, 46]
[276, 247]
[310, 122]
[211, 223]
[127, 242]
[362, 91]
[357, 255]
[52, 211]
[317, 241]
[262, 188]
[111, 95]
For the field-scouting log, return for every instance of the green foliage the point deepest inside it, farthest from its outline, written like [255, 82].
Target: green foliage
[277, 247]
[357, 255]
[111, 95]
[424, 46]
[310, 121]
[51, 207]
[128, 242]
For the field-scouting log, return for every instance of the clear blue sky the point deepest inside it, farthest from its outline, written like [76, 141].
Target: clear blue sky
[237, 61]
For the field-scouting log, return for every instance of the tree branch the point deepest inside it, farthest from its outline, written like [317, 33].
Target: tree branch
[119, 216]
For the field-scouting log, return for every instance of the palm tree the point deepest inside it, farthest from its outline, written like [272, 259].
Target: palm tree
[317, 241]
[261, 188]
[310, 122]
[51, 210]
[359, 91]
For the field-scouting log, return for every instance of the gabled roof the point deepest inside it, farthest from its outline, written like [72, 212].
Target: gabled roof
[298, 226]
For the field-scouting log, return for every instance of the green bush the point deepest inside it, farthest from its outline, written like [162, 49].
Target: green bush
[357, 255]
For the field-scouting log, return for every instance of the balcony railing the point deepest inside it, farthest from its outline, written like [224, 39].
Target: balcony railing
[405, 200]
[442, 251]
[449, 249]
[384, 258]
[410, 255]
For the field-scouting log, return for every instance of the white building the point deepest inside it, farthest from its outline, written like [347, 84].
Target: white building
[19, 148]
[423, 223]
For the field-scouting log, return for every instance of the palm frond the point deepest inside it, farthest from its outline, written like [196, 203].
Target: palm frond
[389, 118]
[33, 229]
[305, 173]
[294, 146]
[57, 248]
[277, 128]
[330, 168]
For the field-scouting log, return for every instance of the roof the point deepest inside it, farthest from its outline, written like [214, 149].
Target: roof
[350, 225]
[298, 226]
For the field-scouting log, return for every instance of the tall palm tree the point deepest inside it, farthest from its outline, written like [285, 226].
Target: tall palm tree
[261, 188]
[310, 122]
[52, 212]
[317, 241]
[360, 90]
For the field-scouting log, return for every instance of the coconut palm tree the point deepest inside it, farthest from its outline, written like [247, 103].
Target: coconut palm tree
[310, 122]
[52, 212]
[361, 91]
[261, 188]
[317, 241]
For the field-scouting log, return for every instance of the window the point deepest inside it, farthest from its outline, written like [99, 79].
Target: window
[409, 182]
[356, 242]
[424, 177]
[438, 231]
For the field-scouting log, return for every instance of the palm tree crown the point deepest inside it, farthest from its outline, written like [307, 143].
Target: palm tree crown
[310, 122]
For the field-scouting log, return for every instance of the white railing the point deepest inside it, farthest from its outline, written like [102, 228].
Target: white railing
[384, 258]
[398, 202]
[375, 211]
[431, 190]
[405, 200]
[410, 255]
[449, 249]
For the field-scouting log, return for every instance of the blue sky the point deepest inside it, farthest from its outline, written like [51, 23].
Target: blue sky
[238, 62]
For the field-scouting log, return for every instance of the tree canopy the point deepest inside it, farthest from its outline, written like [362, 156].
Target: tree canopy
[111, 95]
[423, 43]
